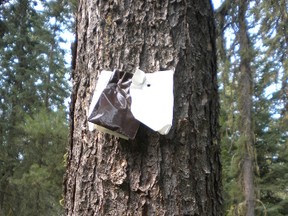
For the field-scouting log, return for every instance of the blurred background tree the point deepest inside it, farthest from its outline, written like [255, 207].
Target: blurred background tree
[266, 54]
[33, 118]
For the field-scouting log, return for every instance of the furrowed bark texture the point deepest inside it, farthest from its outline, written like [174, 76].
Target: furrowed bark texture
[177, 174]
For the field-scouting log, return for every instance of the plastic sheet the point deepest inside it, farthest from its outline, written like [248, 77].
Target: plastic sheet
[153, 99]
[110, 108]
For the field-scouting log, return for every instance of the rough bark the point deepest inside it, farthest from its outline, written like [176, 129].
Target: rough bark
[245, 109]
[177, 174]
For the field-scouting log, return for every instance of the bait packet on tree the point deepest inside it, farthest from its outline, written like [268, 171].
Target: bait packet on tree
[110, 108]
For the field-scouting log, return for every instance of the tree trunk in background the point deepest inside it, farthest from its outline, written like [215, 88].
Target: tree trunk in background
[245, 108]
[177, 174]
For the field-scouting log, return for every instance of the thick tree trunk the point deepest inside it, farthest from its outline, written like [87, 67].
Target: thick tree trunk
[245, 109]
[177, 174]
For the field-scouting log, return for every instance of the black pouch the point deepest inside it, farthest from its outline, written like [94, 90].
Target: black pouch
[112, 112]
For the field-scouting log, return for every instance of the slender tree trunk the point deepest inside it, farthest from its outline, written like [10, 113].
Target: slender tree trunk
[284, 91]
[177, 174]
[245, 109]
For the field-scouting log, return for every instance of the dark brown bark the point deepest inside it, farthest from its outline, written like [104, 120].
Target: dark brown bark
[177, 174]
[245, 109]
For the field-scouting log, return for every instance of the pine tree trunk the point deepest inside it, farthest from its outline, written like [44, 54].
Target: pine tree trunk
[245, 109]
[177, 174]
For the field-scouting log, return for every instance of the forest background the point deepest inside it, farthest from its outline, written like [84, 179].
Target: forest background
[35, 70]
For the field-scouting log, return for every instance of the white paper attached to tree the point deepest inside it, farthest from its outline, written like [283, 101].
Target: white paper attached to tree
[153, 99]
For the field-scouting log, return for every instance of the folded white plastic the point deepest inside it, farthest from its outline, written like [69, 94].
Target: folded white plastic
[152, 99]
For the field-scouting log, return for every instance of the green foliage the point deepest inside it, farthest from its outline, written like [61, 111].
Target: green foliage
[39, 176]
[268, 34]
[33, 124]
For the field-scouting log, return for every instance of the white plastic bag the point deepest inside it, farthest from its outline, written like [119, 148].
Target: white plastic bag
[153, 99]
